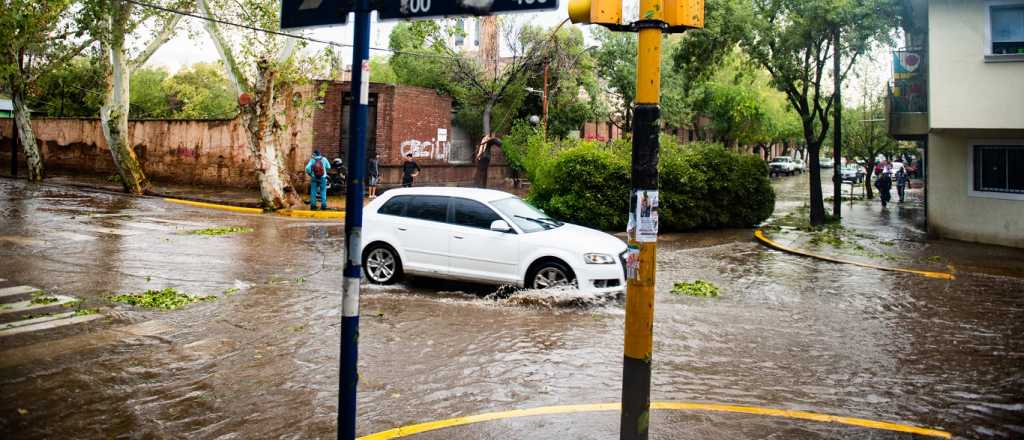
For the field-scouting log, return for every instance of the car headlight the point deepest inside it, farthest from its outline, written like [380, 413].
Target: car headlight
[598, 259]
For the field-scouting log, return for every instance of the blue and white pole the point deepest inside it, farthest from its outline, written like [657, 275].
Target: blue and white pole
[354, 223]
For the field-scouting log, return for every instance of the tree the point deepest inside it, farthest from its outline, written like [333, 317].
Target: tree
[793, 41]
[571, 76]
[69, 90]
[200, 91]
[261, 68]
[118, 24]
[381, 71]
[38, 39]
[147, 97]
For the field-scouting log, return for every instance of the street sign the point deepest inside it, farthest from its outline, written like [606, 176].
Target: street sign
[311, 13]
[409, 9]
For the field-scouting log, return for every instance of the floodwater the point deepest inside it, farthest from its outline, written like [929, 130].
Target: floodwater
[262, 361]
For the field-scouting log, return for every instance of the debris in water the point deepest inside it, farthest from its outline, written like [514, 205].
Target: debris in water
[699, 288]
[216, 232]
[166, 299]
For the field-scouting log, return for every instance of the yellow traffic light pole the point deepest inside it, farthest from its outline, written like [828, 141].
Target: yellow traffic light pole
[656, 17]
[636, 368]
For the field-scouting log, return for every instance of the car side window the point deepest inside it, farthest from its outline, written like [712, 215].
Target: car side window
[473, 214]
[432, 208]
[395, 206]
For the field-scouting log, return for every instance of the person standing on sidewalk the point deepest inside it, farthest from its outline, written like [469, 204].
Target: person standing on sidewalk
[884, 184]
[483, 158]
[317, 171]
[901, 183]
[373, 174]
[410, 169]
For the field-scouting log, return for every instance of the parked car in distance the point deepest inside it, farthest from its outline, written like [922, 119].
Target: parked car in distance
[484, 236]
[799, 166]
[826, 162]
[782, 165]
[853, 173]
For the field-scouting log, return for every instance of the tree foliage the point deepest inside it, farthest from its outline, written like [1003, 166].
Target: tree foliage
[794, 39]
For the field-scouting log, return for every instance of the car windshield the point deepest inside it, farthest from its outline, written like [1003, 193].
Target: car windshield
[528, 218]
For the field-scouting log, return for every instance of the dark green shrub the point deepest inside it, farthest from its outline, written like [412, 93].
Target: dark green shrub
[587, 184]
[702, 186]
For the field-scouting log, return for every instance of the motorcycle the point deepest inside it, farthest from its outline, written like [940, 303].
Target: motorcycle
[336, 178]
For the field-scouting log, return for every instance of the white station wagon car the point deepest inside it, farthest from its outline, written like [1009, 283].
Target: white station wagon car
[484, 236]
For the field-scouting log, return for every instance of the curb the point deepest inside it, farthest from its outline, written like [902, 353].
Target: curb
[759, 234]
[295, 213]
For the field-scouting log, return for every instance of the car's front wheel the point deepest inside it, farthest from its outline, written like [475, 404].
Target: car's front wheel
[551, 274]
[381, 264]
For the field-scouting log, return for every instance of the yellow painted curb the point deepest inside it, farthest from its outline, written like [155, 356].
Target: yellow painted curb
[216, 206]
[304, 213]
[760, 236]
[408, 430]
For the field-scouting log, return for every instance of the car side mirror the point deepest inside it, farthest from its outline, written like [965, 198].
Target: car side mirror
[500, 226]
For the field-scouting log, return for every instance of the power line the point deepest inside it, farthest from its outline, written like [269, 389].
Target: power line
[279, 33]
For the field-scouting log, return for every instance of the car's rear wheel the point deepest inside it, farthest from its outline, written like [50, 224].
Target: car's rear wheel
[381, 264]
[551, 274]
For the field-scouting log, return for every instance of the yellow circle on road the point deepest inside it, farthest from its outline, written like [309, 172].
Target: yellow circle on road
[408, 430]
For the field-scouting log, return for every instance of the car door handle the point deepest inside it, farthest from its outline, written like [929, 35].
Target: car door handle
[400, 228]
[458, 237]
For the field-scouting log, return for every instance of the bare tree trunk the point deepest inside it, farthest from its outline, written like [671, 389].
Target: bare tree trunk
[817, 203]
[261, 129]
[114, 113]
[483, 163]
[33, 157]
[868, 190]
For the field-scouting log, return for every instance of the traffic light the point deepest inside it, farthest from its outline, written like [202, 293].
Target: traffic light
[684, 13]
[596, 11]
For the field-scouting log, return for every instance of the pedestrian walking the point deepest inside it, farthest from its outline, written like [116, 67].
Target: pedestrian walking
[884, 185]
[902, 178]
[410, 169]
[483, 158]
[373, 172]
[317, 171]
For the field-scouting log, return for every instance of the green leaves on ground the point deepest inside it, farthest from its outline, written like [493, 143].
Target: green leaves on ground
[699, 288]
[44, 300]
[166, 299]
[223, 230]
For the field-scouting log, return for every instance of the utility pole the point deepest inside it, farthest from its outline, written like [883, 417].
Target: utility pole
[545, 105]
[837, 134]
[14, 147]
[354, 222]
[639, 340]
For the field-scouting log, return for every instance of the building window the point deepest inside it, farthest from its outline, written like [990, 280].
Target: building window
[998, 169]
[1005, 30]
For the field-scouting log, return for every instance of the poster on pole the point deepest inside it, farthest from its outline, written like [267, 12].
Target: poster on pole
[633, 262]
[646, 216]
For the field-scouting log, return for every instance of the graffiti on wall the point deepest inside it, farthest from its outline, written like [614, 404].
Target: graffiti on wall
[431, 149]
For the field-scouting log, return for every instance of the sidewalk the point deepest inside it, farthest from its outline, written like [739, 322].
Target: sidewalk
[248, 198]
[892, 237]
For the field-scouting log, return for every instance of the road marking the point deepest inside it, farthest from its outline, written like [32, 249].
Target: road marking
[216, 206]
[73, 236]
[24, 322]
[9, 330]
[52, 349]
[17, 290]
[148, 226]
[772, 244]
[304, 213]
[176, 222]
[408, 430]
[24, 241]
[112, 231]
[27, 306]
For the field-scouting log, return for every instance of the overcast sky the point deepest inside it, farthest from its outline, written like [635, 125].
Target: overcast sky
[183, 51]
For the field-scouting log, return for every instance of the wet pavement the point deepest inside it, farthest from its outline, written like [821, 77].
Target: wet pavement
[261, 361]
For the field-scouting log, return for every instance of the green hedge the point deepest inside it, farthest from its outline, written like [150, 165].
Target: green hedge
[702, 186]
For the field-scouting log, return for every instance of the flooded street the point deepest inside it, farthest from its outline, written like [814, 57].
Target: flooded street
[261, 361]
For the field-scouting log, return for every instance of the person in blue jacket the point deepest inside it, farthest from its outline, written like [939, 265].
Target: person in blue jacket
[317, 171]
